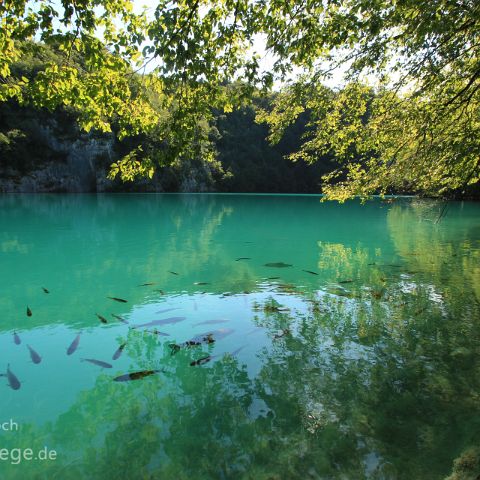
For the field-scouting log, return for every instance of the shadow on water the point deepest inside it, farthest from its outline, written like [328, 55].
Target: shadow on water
[368, 370]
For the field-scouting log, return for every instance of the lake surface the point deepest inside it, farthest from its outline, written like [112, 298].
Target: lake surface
[345, 341]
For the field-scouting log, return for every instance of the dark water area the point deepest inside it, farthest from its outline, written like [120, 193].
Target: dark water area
[260, 336]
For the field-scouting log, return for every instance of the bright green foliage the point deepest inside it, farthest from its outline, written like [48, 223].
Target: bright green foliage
[415, 130]
[418, 130]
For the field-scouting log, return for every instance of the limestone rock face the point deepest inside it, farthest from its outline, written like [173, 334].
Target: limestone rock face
[70, 164]
[75, 162]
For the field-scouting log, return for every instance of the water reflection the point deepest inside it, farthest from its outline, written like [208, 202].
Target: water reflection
[374, 378]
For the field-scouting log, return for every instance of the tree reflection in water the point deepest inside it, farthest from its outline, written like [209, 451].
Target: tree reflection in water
[375, 378]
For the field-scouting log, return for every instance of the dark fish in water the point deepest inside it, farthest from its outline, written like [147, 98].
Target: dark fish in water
[278, 265]
[213, 335]
[36, 358]
[194, 342]
[173, 273]
[161, 292]
[165, 321]
[12, 379]
[273, 278]
[29, 312]
[285, 331]
[135, 375]
[210, 322]
[201, 361]
[147, 284]
[394, 265]
[45, 290]
[118, 299]
[102, 319]
[16, 338]
[121, 319]
[119, 351]
[201, 283]
[371, 263]
[242, 258]
[73, 345]
[309, 271]
[166, 310]
[97, 362]
[157, 332]
[345, 281]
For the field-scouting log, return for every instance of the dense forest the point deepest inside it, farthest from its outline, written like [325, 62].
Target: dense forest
[35, 140]
[173, 97]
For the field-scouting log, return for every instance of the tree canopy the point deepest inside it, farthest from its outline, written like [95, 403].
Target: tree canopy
[407, 119]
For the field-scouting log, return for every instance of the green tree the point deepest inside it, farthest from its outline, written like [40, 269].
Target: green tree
[417, 130]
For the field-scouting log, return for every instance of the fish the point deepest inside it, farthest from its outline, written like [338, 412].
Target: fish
[273, 278]
[121, 319]
[118, 299]
[285, 331]
[119, 351]
[210, 322]
[309, 271]
[161, 292]
[345, 281]
[135, 375]
[99, 363]
[201, 361]
[12, 379]
[201, 283]
[16, 338]
[161, 322]
[45, 290]
[213, 335]
[73, 346]
[278, 265]
[102, 319]
[36, 358]
[194, 342]
[255, 330]
[157, 332]
[147, 284]
[242, 258]
[173, 273]
[29, 312]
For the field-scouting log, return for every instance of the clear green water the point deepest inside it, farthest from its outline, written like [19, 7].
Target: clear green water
[375, 378]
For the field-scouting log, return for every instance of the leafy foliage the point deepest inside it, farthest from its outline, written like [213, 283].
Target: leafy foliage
[416, 129]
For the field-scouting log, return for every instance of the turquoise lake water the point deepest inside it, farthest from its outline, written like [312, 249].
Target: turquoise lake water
[345, 339]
